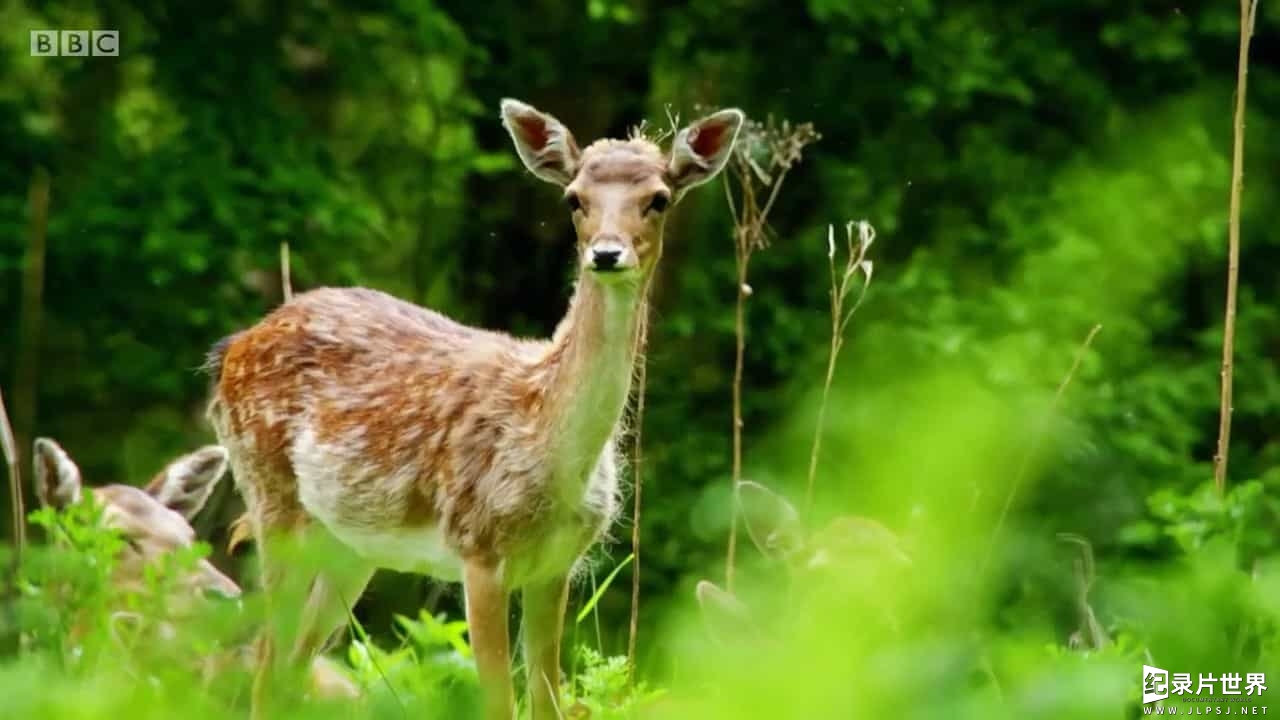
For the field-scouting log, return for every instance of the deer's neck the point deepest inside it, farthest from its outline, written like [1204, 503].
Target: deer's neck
[592, 356]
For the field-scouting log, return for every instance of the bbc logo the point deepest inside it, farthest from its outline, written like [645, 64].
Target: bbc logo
[75, 43]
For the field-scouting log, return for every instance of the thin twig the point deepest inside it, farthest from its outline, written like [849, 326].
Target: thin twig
[595, 613]
[773, 195]
[855, 261]
[739, 324]
[286, 280]
[728, 198]
[1248, 13]
[642, 373]
[1025, 463]
[744, 223]
[1085, 576]
[31, 314]
[10, 449]
[784, 144]
[363, 636]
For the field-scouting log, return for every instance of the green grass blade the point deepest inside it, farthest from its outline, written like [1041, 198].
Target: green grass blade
[591, 604]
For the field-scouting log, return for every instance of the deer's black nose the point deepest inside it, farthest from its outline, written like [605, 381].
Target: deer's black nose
[605, 258]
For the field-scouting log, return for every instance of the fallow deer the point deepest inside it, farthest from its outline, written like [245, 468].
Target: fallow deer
[421, 444]
[154, 521]
[858, 552]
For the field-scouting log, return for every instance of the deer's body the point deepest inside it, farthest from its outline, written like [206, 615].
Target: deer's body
[412, 442]
[417, 441]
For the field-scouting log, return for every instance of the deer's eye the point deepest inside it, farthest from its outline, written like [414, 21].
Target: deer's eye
[659, 203]
[574, 202]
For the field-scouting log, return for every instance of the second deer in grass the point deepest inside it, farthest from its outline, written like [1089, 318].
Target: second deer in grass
[856, 554]
[155, 522]
[401, 439]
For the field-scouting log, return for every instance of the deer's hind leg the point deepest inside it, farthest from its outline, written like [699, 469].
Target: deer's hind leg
[310, 582]
[337, 582]
[279, 524]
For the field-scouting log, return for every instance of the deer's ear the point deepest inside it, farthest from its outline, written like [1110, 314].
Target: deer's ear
[545, 145]
[702, 149]
[772, 522]
[57, 478]
[723, 614]
[186, 484]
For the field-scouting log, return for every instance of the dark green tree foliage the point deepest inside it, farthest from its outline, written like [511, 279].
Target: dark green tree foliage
[1031, 170]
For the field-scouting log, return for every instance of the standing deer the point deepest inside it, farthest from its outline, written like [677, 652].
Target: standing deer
[401, 439]
[154, 521]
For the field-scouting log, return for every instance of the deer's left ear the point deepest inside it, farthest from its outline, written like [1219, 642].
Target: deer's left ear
[772, 523]
[544, 144]
[57, 476]
[186, 484]
[702, 149]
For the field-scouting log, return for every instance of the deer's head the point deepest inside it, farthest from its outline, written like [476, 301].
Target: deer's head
[619, 190]
[154, 521]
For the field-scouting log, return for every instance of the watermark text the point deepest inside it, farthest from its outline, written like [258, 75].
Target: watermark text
[75, 43]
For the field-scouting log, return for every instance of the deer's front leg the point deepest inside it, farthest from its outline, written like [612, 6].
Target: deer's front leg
[544, 606]
[486, 600]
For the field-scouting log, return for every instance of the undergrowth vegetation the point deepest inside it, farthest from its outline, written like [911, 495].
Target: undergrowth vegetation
[100, 648]
[839, 620]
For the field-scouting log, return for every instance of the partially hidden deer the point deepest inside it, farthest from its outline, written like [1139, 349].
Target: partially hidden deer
[155, 521]
[860, 553]
[398, 438]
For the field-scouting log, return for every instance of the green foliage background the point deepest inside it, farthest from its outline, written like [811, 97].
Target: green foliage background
[1031, 170]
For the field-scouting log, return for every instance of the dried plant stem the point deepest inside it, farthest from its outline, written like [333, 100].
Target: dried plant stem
[822, 421]
[855, 261]
[783, 146]
[739, 325]
[1025, 465]
[286, 279]
[10, 449]
[749, 228]
[1248, 13]
[31, 313]
[1090, 630]
[642, 373]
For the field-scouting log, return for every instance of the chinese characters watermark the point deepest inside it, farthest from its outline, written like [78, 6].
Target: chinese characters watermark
[1230, 687]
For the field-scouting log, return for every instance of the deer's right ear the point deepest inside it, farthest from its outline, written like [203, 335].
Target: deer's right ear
[56, 475]
[545, 145]
[702, 149]
[186, 483]
[772, 522]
